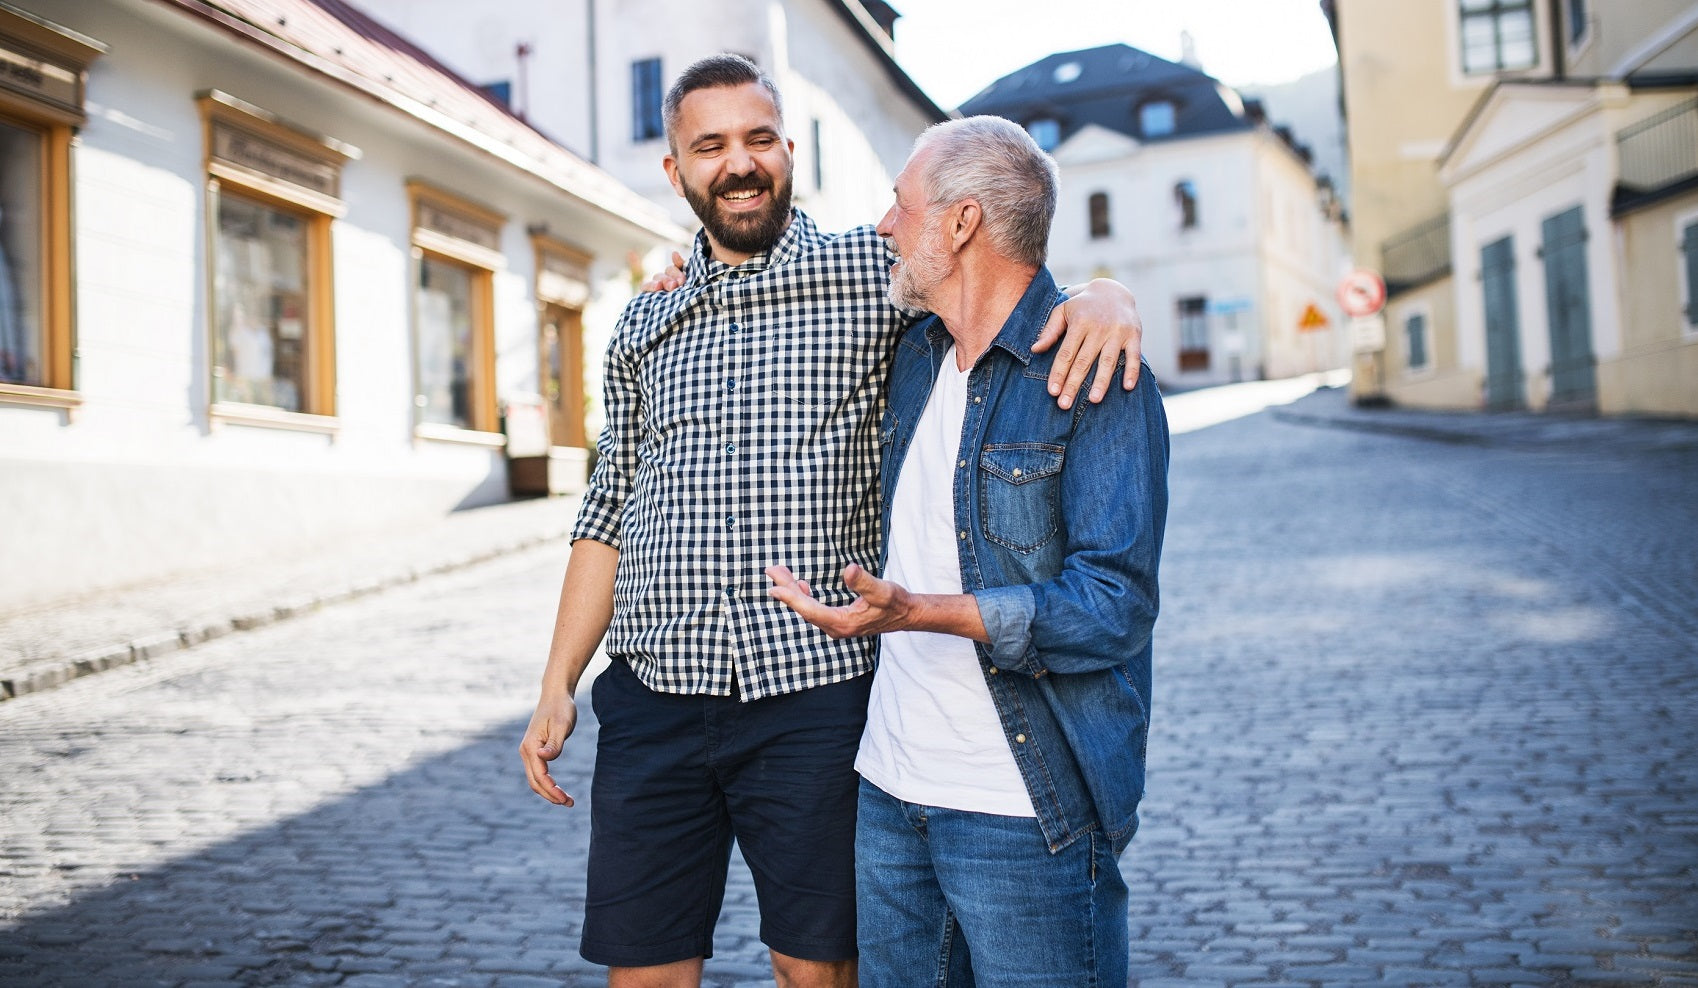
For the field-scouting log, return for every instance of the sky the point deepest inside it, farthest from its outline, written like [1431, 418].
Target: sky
[954, 48]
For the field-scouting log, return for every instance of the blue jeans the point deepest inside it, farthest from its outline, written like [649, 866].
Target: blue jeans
[949, 898]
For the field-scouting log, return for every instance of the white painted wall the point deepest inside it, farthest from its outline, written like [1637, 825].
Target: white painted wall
[1261, 246]
[138, 482]
[824, 72]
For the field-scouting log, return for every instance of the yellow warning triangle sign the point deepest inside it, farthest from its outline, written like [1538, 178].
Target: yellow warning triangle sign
[1313, 319]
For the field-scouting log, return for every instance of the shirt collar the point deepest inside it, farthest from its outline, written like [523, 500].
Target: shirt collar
[797, 237]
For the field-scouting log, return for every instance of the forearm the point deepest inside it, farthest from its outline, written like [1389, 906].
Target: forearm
[584, 612]
[945, 614]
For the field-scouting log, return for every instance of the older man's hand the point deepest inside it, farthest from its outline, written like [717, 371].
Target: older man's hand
[881, 605]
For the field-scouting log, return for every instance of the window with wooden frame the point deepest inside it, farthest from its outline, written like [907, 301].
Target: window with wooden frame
[456, 251]
[273, 191]
[43, 77]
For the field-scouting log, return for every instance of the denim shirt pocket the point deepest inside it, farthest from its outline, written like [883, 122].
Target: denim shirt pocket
[1020, 493]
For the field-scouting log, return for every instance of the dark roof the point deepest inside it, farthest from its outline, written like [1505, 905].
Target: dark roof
[1108, 86]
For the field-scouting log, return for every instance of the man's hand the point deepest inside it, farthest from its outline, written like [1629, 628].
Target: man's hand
[882, 605]
[666, 281]
[1101, 321]
[551, 725]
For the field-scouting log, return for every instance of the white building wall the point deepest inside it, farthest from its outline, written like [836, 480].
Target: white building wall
[138, 481]
[1260, 252]
[823, 70]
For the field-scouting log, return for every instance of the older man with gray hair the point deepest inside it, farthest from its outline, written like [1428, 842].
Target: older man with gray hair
[1003, 756]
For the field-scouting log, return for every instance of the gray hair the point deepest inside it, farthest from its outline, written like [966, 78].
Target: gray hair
[724, 70]
[996, 163]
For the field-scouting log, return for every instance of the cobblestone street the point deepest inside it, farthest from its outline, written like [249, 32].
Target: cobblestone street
[1426, 713]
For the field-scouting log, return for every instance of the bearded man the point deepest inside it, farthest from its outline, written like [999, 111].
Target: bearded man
[742, 430]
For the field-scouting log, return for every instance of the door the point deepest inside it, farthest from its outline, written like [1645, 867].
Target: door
[1503, 325]
[562, 343]
[1568, 302]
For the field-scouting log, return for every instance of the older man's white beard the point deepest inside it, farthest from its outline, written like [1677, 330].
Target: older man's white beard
[914, 282]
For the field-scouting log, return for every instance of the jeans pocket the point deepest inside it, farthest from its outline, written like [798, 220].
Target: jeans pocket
[1021, 493]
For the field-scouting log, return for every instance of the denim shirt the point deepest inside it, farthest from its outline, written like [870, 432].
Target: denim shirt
[1060, 517]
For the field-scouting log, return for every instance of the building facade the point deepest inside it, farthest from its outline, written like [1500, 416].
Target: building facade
[1533, 209]
[1175, 186]
[271, 275]
[593, 73]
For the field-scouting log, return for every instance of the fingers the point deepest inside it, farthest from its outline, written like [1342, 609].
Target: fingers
[1051, 333]
[536, 754]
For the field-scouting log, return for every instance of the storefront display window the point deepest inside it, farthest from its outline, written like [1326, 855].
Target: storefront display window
[446, 342]
[457, 250]
[261, 339]
[273, 192]
[43, 79]
[21, 329]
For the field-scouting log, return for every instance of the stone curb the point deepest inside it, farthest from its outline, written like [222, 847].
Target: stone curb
[57, 671]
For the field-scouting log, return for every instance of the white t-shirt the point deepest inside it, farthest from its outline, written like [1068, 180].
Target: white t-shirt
[933, 736]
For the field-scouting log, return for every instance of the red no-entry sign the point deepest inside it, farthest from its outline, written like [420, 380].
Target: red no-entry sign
[1362, 292]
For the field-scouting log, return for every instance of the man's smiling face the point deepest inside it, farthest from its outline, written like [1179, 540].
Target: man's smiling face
[733, 164]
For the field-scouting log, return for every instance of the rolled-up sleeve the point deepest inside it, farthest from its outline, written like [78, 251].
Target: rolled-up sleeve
[1007, 613]
[602, 512]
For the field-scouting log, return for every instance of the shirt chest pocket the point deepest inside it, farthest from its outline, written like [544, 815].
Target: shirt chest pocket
[1020, 493]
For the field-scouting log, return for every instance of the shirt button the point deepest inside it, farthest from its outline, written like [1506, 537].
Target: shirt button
[963, 536]
[731, 384]
[730, 591]
[731, 447]
[1016, 471]
[977, 399]
[960, 463]
[730, 521]
[994, 670]
[1021, 738]
[735, 327]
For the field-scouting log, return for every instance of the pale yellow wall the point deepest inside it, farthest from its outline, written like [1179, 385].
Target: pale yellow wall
[1405, 96]
[1656, 371]
[1443, 383]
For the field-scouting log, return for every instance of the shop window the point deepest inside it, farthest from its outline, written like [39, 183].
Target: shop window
[457, 248]
[1185, 201]
[1100, 229]
[647, 95]
[1194, 334]
[1497, 36]
[274, 191]
[43, 76]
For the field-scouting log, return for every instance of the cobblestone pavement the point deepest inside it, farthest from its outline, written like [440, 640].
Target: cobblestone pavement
[1426, 714]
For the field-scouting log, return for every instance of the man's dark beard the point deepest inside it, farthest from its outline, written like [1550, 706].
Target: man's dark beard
[743, 233]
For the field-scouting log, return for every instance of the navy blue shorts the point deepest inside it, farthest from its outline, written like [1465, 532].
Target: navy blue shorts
[677, 777]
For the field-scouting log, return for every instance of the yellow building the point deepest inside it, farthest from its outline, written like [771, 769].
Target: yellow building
[1525, 176]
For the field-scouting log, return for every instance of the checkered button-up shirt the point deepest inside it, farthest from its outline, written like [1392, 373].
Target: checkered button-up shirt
[742, 431]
